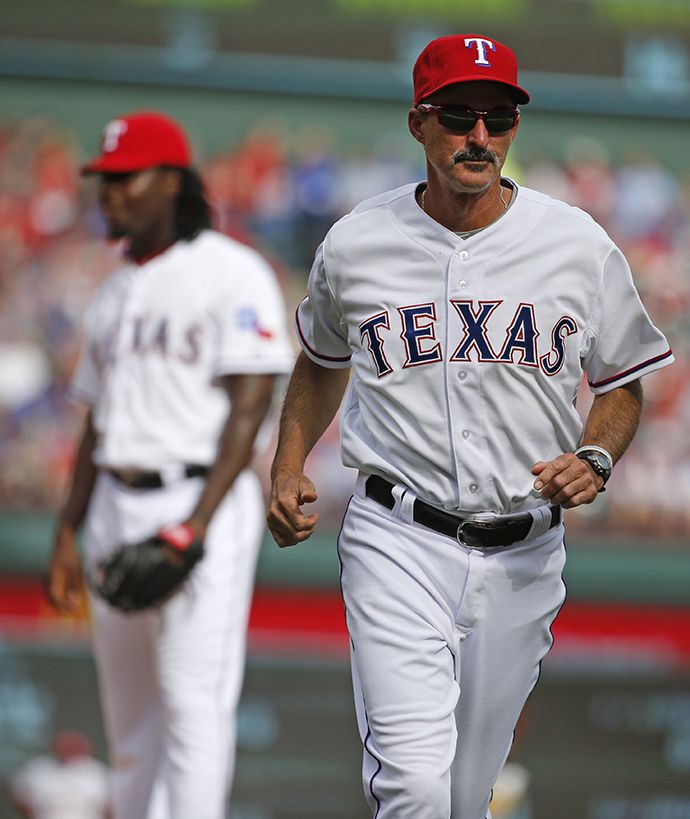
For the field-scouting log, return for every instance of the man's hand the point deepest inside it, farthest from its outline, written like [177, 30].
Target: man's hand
[567, 481]
[65, 578]
[285, 519]
[198, 526]
[311, 402]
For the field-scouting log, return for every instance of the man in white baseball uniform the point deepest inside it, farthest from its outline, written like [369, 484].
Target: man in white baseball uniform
[466, 309]
[182, 348]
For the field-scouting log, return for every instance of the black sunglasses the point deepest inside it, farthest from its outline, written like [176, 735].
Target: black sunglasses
[462, 119]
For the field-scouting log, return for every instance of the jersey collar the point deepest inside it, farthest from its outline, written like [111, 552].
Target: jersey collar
[140, 261]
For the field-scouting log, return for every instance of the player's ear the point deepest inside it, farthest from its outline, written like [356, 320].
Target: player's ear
[414, 123]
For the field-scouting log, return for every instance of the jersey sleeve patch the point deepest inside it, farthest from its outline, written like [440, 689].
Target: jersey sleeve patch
[247, 318]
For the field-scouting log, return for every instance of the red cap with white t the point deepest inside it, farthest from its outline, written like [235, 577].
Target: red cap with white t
[465, 58]
[144, 139]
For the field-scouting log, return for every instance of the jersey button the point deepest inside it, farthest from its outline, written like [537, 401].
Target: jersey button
[474, 488]
[465, 434]
[462, 375]
[462, 283]
[464, 255]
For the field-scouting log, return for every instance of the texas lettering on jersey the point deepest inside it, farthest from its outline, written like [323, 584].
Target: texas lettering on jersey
[517, 344]
[154, 335]
[150, 334]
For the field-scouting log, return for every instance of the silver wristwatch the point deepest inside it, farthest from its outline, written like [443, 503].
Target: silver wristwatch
[599, 459]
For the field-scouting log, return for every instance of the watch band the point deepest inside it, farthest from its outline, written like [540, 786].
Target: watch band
[592, 451]
[595, 448]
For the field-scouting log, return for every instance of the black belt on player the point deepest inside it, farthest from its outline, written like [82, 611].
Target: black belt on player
[468, 531]
[139, 479]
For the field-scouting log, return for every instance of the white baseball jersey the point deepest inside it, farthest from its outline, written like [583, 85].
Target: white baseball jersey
[157, 335]
[467, 353]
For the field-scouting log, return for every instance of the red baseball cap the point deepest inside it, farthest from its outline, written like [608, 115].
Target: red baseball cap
[144, 139]
[465, 58]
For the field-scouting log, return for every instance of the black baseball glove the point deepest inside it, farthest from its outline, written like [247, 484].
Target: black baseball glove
[140, 575]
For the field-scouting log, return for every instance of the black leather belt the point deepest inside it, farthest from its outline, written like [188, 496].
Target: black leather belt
[138, 479]
[468, 531]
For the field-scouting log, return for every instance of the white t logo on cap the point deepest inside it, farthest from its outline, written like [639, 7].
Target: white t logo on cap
[112, 133]
[480, 43]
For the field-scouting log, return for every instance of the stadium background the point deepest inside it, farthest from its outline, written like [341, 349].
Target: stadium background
[297, 109]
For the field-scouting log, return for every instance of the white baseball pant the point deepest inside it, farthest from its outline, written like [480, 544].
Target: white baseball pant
[170, 678]
[446, 645]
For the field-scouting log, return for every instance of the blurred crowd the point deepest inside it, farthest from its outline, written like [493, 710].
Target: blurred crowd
[281, 194]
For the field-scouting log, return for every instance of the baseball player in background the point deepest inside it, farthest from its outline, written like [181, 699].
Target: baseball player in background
[182, 348]
[466, 309]
[70, 783]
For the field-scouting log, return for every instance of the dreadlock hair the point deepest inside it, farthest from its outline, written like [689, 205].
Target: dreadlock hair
[193, 212]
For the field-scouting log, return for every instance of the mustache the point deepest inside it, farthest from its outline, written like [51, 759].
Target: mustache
[474, 154]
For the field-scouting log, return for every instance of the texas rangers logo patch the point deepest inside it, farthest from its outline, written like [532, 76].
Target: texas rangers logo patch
[247, 318]
[481, 45]
[112, 134]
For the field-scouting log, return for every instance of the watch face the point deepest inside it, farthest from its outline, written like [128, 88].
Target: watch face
[600, 461]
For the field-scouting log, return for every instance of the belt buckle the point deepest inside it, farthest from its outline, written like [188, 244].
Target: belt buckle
[482, 520]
